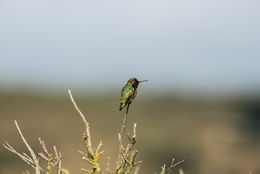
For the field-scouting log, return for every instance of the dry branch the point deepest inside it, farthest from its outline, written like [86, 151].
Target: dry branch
[91, 157]
[170, 168]
[87, 136]
[127, 154]
[126, 158]
[53, 160]
[33, 160]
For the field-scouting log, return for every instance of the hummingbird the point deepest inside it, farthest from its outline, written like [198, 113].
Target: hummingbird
[128, 93]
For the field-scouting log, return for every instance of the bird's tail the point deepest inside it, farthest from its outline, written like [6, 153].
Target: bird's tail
[122, 105]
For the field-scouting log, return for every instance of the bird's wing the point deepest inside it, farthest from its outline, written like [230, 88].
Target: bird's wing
[132, 95]
[126, 95]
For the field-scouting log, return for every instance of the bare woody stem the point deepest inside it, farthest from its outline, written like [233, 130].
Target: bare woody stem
[33, 161]
[36, 162]
[92, 157]
[88, 137]
[169, 170]
[127, 153]
[120, 137]
[171, 167]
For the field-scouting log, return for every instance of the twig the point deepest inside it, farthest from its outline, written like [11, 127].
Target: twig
[98, 148]
[126, 158]
[120, 139]
[43, 146]
[28, 160]
[163, 169]
[91, 157]
[84, 170]
[169, 170]
[33, 161]
[137, 170]
[52, 160]
[59, 167]
[88, 137]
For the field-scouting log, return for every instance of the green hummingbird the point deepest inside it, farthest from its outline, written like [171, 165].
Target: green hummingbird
[128, 93]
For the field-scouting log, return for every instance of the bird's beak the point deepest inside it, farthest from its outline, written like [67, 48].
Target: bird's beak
[143, 81]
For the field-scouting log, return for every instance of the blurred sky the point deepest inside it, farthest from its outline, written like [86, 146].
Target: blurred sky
[194, 45]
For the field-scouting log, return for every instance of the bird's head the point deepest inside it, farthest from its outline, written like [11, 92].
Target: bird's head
[134, 82]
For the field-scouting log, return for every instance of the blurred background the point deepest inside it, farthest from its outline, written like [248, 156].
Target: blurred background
[201, 59]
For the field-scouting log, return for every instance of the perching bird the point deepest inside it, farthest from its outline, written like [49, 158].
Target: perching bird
[129, 92]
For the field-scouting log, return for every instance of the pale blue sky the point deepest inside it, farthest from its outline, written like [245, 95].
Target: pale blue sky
[204, 45]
